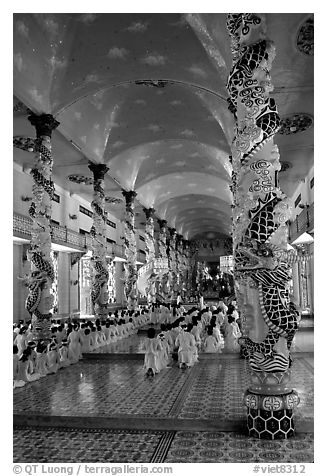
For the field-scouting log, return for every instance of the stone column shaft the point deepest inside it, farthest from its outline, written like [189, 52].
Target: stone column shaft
[260, 212]
[39, 301]
[150, 253]
[130, 250]
[149, 234]
[100, 276]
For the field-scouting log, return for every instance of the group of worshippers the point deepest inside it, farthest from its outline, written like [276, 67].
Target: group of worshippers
[208, 330]
[69, 340]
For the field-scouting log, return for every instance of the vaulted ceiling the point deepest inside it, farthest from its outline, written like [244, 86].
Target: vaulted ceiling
[145, 94]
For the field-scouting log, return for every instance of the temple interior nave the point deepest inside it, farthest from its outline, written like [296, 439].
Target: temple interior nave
[163, 237]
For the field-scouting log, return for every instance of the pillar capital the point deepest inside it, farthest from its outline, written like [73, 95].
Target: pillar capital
[43, 123]
[149, 212]
[162, 223]
[129, 196]
[98, 170]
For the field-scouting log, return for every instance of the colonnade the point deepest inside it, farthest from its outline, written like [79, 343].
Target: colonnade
[164, 245]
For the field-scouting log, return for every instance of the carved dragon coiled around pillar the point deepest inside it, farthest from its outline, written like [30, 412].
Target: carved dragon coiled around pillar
[260, 209]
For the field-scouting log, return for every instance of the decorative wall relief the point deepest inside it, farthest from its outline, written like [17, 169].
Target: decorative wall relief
[305, 37]
[79, 178]
[295, 123]
[260, 211]
[130, 250]
[99, 292]
[39, 301]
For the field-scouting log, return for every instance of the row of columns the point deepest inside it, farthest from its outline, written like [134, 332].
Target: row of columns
[39, 282]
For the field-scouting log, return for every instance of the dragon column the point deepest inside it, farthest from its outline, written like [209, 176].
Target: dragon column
[39, 301]
[163, 282]
[99, 292]
[150, 251]
[130, 250]
[260, 212]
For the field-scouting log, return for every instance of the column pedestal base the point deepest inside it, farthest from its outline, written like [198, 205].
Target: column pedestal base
[270, 416]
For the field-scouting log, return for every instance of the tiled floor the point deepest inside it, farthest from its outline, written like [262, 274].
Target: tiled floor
[222, 447]
[48, 445]
[116, 391]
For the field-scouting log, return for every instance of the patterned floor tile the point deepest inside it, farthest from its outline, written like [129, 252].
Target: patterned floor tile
[217, 391]
[223, 447]
[212, 389]
[48, 445]
[102, 388]
[209, 390]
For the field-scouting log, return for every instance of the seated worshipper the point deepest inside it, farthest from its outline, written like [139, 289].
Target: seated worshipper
[94, 336]
[152, 348]
[223, 306]
[53, 358]
[119, 329]
[195, 348]
[210, 344]
[63, 354]
[80, 333]
[61, 334]
[113, 331]
[196, 330]
[25, 367]
[54, 332]
[170, 340]
[15, 331]
[163, 354]
[100, 337]
[17, 381]
[107, 332]
[88, 343]
[201, 302]
[232, 336]
[41, 359]
[22, 369]
[186, 348]
[217, 334]
[130, 324]
[29, 332]
[220, 316]
[125, 328]
[74, 345]
[206, 316]
[21, 340]
[32, 345]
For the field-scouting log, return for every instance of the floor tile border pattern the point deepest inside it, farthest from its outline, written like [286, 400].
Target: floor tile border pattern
[160, 451]
[163, 447]
[178, 403]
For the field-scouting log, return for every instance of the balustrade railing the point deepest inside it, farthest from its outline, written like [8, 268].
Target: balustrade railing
[304, 222]
[22, 226]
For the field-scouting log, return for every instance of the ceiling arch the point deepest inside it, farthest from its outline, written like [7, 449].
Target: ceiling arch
[169, 186]
[191, 203]
[61, 57]
[145, 94]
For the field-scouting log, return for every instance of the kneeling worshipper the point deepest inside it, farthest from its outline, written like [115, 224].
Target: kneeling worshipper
[152, 348]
